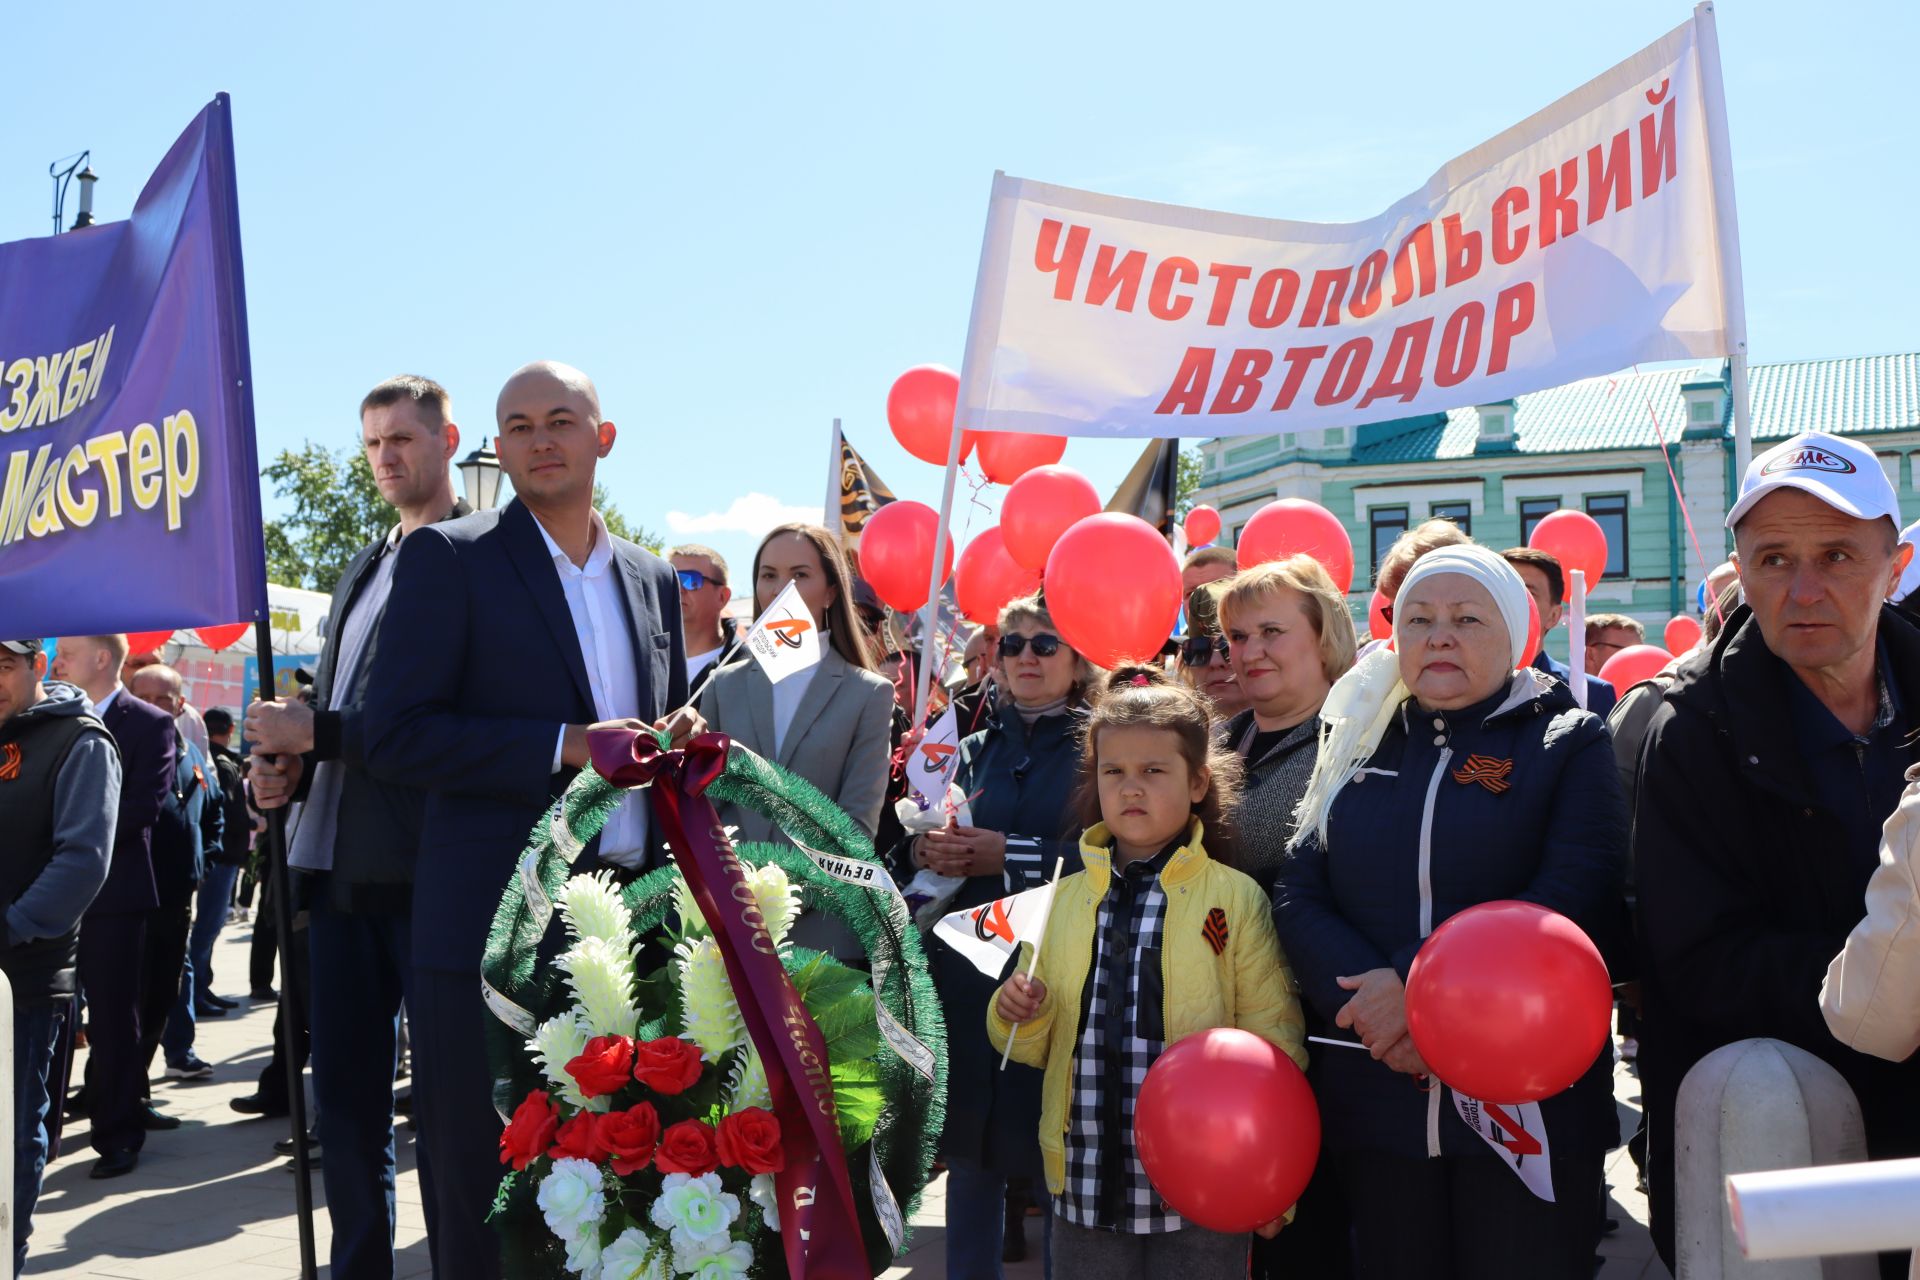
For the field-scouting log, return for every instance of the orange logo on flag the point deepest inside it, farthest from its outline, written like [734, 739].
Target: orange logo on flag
[1489, 772]
[990, 921]
[936, 755]
[1521, 1143]
[10, 762]
[789, 630]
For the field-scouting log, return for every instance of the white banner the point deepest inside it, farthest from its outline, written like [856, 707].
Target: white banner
[986, 935]
[1592, 235]
[784, 640]
[1517, 1133]
[931, 762]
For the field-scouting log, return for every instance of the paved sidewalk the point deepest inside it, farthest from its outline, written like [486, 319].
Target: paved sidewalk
[211, 1201]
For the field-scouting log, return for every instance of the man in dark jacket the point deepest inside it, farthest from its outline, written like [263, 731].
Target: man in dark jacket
[1768, 771]
[59, 789]
[1547, 584]
[224, 862]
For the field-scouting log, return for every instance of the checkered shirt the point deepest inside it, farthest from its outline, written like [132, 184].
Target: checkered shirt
[1106, 1184]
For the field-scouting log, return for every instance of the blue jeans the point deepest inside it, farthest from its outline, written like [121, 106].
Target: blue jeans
[209, 914]
[977, 1222]
[36, 1025]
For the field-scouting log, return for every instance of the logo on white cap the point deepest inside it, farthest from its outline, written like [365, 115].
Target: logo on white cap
[1808, 458]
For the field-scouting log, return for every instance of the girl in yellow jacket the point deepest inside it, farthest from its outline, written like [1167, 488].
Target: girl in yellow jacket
[1154, 941]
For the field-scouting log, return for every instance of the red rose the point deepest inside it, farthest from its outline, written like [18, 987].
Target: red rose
[687, 1147]
[749, 1139]
[629, 1136]
[579, 1138]
[668, 1065]
[603, 1065]
[528, 1134]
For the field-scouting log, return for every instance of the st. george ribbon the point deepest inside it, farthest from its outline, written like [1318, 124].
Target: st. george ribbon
[819, 1227]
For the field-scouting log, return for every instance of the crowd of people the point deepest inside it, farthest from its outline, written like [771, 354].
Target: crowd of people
[1260, 829]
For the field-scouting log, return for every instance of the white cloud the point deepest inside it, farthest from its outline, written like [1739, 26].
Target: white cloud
[751, 514]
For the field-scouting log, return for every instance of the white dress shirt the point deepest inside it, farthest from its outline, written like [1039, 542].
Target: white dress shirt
[600, 620]
[100, 707]
[698, 662]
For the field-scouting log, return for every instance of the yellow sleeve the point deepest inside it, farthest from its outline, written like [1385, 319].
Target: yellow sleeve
[1031, 1037]
[1266, 998]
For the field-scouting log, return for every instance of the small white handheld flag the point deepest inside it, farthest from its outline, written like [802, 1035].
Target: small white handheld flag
[784, 640]
[1517, 1133]
[986, 935]
[931, 763]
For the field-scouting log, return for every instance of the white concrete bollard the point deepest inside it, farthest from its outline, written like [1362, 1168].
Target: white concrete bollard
[1749, 1106]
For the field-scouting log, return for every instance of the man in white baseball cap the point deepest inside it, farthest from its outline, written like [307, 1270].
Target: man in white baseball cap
[1767, 773]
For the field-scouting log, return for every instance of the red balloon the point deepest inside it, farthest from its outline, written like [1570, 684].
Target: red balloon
[1575, 539]
[896, 552]
[920, 411]
[218, 638]
[1007, 455]
[1633, 664]
[1227, 1129]
[139, 642]
[1682, 634]
[1113, 588]
[1041, 506]
[1203, 525]
[1294, 526]
[987, 578]
[1509, 1002]
[1377, 625]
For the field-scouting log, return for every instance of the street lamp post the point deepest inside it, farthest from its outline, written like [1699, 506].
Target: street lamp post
[77, 169]
[480, 476]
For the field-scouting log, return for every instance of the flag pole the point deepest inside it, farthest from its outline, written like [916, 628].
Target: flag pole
[832, 513]
[1726, 218]
[1039, 940]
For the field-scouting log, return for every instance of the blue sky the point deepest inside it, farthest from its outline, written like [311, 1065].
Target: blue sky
[745, 220]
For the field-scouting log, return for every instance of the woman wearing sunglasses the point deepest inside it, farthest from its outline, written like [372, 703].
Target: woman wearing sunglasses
[1203, 657]
[1020, 772]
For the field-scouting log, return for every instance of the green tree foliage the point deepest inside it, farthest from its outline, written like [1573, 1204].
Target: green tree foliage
[337, 509]
[1186, 480]
[618, 526]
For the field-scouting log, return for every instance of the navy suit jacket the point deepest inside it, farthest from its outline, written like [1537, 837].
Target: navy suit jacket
[477, 669]
[146, 736]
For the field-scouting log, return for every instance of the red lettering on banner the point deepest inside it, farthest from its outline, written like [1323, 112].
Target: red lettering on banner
[1366, 285]
[1324, 296]
[1656, 147]
[1188, 394]
[1273, 297]
[1240, 383]
[1512, 313]
[1419, 244]
[1459, 346]
[1297, 358]
[1225, 280]
[1050, 255]
[1161, 300]
[1344, 370]
[1509, 242]
[1559, 207]
[1614, 177]
[1400, 368]
[1106, 277]
[1463, 251]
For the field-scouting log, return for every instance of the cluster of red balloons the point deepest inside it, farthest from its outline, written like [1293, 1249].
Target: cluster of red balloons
[896, 552]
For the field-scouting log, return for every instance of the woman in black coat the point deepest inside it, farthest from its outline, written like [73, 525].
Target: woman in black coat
[1020, 772]
[1453, 774]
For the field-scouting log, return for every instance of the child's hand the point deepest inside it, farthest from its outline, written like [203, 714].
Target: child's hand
[1021, 998]
[1271, 1230]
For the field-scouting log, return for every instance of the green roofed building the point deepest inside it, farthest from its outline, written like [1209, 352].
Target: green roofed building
[1592, 446]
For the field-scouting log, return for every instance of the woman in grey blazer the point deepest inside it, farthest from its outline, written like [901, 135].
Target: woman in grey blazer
[830, 725]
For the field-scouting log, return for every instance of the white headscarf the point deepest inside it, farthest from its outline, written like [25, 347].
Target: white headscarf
[1360, 706]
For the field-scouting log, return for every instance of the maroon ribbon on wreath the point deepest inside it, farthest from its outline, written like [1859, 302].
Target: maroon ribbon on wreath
[819, 1225]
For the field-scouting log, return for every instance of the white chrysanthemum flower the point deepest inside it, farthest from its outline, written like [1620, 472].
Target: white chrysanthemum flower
[626, 1258]
[761, 1192]
[592, 908]
[583, 1253]
[601, 975]
[724, 1260]
[697, 1213]
[777, 898]
[572, 1198]
[710, 1013]
[693, 923]
[556, 1042]
[747, 1086]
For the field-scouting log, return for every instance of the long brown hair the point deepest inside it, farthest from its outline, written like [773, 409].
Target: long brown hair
[844, 632]
[1139, 696]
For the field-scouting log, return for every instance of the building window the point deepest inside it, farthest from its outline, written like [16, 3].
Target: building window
[1609, 511]
[1532, 512]
[1701, 411]
[1385, 524]
[1461, 513]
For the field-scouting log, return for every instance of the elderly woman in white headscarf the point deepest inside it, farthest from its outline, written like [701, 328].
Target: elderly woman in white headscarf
[1450, 773]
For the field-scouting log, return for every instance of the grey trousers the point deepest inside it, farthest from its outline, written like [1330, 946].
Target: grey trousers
[1082, 1253]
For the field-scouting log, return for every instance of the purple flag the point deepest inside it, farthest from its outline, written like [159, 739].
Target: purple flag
[129, 485]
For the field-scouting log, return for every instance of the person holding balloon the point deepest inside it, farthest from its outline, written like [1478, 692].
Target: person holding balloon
[1020, 771]
[1156, 940]
[1453, 774]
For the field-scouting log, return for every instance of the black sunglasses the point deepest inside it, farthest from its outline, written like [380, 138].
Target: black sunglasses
[691, 579]
[1198, 651]
[1044, 645]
